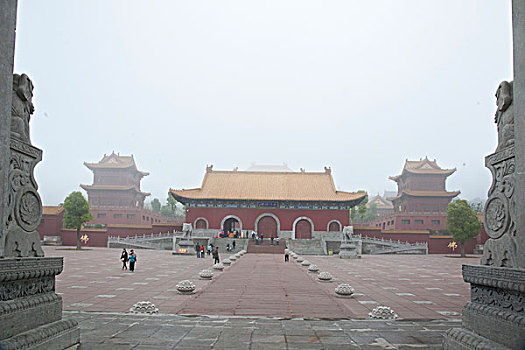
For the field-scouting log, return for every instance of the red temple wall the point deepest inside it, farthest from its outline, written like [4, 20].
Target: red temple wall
[97, 237]
[320, 218]
[436, 244]
[439, 245]
[50, 225]
[425, 182]
[142, 216]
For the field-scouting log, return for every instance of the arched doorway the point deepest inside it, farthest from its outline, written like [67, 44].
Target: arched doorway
[267, 226]
[201, 224]
[303, 228]
[334, 225]
[231, 224]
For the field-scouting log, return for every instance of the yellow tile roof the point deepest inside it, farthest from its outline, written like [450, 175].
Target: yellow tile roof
[427, 194]
[113, 187]
[256, 185]
[422, 166]
[52, 210]
[115, 161]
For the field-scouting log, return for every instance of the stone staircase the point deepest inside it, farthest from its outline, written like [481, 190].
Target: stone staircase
[240, 244]
[266, 247]
[159, 241]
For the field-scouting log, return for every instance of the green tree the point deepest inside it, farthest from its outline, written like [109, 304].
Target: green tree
[462, 222]
[172, 203]
[371, 213]
[76, 213]
[155, 205]
[477, 205]
[359, 211]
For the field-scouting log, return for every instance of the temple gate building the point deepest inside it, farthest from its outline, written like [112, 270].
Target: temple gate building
[115, 196]
[422, 198]
[283, 204]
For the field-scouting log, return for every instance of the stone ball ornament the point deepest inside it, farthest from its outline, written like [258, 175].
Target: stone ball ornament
[206, 274]
[325, 277]
[344, 290]
[144, 307]
[232, 258]
[305, 263]
[383, 313]
[313, 268]
[227, 262]
[185, 287]
[299, 259]
[218, 267]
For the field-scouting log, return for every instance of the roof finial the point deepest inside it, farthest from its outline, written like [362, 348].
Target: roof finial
[302, 170]
[209, 168]
[327, 170]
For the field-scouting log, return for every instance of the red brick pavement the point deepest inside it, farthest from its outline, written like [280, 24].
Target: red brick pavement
[263, 285]
[416, 287]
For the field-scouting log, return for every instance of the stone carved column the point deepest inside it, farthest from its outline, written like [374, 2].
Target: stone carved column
[30, 310]
[23, 205]
[7, 45]
[495, 316]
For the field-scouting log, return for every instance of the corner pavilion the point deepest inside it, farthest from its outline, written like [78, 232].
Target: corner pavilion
[272, 203]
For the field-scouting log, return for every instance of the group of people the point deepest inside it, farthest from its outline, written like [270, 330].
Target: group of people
[210, 249]
[131, 258]
[201, 250]
[260, 239]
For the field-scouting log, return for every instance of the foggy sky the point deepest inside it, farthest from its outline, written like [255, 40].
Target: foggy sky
[356, 85]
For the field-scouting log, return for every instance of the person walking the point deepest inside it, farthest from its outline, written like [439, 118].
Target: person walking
[253, 236]
[124, 259]
[228, 247]
[198, 250]
[233, 245]
[286, 255]
[203, 254]
[132, 260]
[262, 238]
[208, 249]
[215, 254]
[271, 240]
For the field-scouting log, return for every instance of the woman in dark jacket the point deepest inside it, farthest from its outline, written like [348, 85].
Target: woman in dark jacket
[124, 259]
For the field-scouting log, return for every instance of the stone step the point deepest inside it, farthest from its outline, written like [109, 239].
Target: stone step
[265, 248]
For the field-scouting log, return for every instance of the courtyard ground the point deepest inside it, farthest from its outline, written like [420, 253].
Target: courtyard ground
[417, 287]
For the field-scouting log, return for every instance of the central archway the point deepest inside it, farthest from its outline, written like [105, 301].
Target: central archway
[303, 228]
[268, 225]
[231, 223]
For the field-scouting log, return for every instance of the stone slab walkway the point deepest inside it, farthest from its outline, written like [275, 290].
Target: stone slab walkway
[263, 285]
[114, 331]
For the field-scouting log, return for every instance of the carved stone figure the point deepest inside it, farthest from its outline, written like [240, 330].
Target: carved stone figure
[504, 115]
[24, 206]
[348, 231]
[22, 107]
[500, 209]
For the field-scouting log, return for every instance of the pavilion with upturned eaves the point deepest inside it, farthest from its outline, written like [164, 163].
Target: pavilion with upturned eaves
[422, 199]
[115, 196]
[283, 204]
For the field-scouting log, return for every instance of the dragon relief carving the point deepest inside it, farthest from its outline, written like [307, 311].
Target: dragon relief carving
[499, 213]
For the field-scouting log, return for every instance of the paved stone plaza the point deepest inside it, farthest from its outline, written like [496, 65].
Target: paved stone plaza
[417, 287]
[124, 331]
